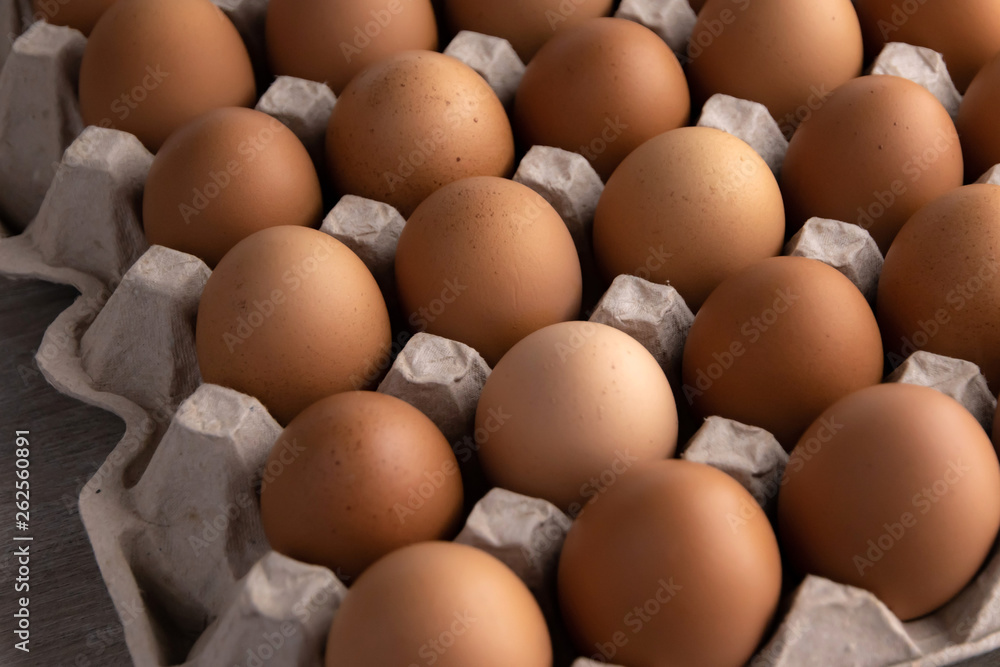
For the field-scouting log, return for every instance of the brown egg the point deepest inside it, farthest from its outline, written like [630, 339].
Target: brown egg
[526, 24]
[355, 476]
[413, 123]
[786, 54]
[78, 14]
[690, 207]
[977, 121]
[778, 343]
[570, 409]
[939, 290]
[895, 489]
[333, 40]
[676, 565]
[966, 32]
[601, 89]
[486, 261]
[442, 604]
[879, 149]
[224, 176]
[290, 315]
[151, 66]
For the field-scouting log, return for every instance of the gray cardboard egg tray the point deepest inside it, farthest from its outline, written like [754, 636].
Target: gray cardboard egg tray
[173, 512]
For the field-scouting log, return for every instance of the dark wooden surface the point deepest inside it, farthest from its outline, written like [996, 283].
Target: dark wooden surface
[73, 622]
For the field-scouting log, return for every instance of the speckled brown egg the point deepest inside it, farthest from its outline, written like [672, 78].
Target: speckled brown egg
[601, 89]
[486, 261]
[879, 149]
[79, 14]
[977, 121]
[333, 40]
[675, 565]
[939, 290]
[355, 476]
[290, 315]
[150, 66]
[966, 32]
[412, 124]
[778, 343]
[224, 176]
[786, 54]
[690, 207]
[894, 489]
[526, 24]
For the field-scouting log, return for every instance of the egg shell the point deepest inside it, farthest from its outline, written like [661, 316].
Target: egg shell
[939, 290]
[332, 40]
[601, 89]
[778, 343]
[879, 149]
[440, 600]
[571, 407]
[413, 123]
[977, 121]
[786, 54]
[150, 66]
[486, 261]
[676, 564]
[290, 315]
[355, 476]
[80, 15]
[690, 207]
[895, 489]
[224, 176]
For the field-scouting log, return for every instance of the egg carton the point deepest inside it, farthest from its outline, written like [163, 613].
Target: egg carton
[172, 513]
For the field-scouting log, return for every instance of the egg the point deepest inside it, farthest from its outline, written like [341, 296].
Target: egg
[224, 176]
[78, 14]
[486, 261]
[439, 603]
[778, 343]
[786, 54]
[977, 121]
[332, 40]
[150, 66]
[879, 149]
[894, 489]
[413, 123]
[939, 290]
[570, 409]
[526, 24]
[290, 315]
[356, 476]
[601, 89]
[690, 207]
[675, 565]
[966, 32]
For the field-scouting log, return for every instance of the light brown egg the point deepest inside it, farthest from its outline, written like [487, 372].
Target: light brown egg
[290, 315]
[442, 604]
[601, 89]
[224, 176]
[977, 121]
[486, 261]
[78, 14]
[526, 24]
[966, 32]
[690, 207]
[895, 489]
[939, 290]
[676, 565]
[413, 123]
[333, 40]
[151, 66]
[570, 409]
[786, 54]
[879, 149]
[356, 476]
[778, 343]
